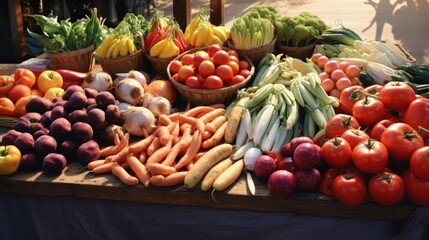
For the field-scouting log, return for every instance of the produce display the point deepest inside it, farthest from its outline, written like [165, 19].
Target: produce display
[350, 123]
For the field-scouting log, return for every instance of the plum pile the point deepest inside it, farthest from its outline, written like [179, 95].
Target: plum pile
[61, 130]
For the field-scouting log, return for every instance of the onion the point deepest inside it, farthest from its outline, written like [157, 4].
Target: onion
[100, 81]
[264, 166]
[123, 106]
[281, 183]
[130, 91]
[139, 121]
[142, 77]
[250, 157]
[157, 105]
[306, 156]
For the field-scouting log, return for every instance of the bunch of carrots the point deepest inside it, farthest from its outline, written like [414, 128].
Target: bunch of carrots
[164, 157]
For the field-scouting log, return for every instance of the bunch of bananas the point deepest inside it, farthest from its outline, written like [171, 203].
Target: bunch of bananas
[113, 47]
[200, 33]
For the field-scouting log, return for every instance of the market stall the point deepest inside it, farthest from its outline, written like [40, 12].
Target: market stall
[281, 126]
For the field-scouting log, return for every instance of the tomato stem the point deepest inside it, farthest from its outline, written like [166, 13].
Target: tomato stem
[386, 177]
[410, 135]
[422, 129]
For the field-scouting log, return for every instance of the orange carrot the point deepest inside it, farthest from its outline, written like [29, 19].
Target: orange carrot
[218, 105]
[112, 150]
[139, 170]
[93, 164]
[161, 169]
[123, 175]
[198, 110]
[216, 138]
[104, 168]
[200, 125]
[170, 180]
[164, 120]
[192, 150]
[141, 145]
[163, 134]
[180, 146]
[186, 130]
[119, 157]
[210, 116]
[216, 123]
[189, 165]
[116, 138]
[175, 131]
[160, 154]
[143, 157]
[174, 116]
[155, 145]
[206, 135]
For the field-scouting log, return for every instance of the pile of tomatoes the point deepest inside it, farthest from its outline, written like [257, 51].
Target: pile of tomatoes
[377, 147]
[17, 90]
[213, 68]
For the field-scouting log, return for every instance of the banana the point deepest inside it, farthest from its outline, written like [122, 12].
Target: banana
[123, 48]
[131, 46]
[220, 33]
[112, 46]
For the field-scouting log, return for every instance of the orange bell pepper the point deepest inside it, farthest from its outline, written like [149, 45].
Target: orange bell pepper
[25, 77]
[7, 108]
[6, 84]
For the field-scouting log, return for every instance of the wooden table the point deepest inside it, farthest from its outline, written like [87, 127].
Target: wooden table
[74, 181]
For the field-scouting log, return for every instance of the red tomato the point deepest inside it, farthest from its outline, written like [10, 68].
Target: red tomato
[349, 189]
[370, 156]
[185, 72]
[212, 49]
[225, 73]
[417, 114]
[199, 57]
[336, 152]
[354, 137]
[417, 190]
[232, 52]
[386, 188]
[234, 66]
[187, 59]
[206, 68]
[19, 91]
[396, 96]
[339, 123]
[193, 82]
[244, 72]
[346, 101]
[221, 57]
[374, 89]
[244, 64]
[379, 128]
[401, 140]
[237, 79]
[368, 111]
[175, 65]
[234, 59]
[419, 163]
[213, 82]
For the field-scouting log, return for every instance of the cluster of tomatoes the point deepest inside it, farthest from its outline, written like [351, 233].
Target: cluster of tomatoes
[336, 76]
[17, 90]
[213, 68]
[376, 146]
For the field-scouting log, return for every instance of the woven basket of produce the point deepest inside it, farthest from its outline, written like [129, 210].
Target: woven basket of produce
[121, 64]
[255, 54]
[159, 64]
[201, 96]
[78, 60]
[296, 52]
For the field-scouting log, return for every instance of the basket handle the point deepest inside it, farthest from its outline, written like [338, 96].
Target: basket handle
[140, 34]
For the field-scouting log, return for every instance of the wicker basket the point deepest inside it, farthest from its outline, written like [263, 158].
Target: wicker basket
[255, 54]
[8, 122]
[197, 97]
[79, 60]
[160, 64]
[121, 64]
[296, 52]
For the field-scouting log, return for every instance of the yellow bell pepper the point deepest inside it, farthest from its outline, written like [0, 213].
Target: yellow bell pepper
[10, 157]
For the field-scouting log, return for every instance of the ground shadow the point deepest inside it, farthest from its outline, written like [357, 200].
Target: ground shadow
[409, 20]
